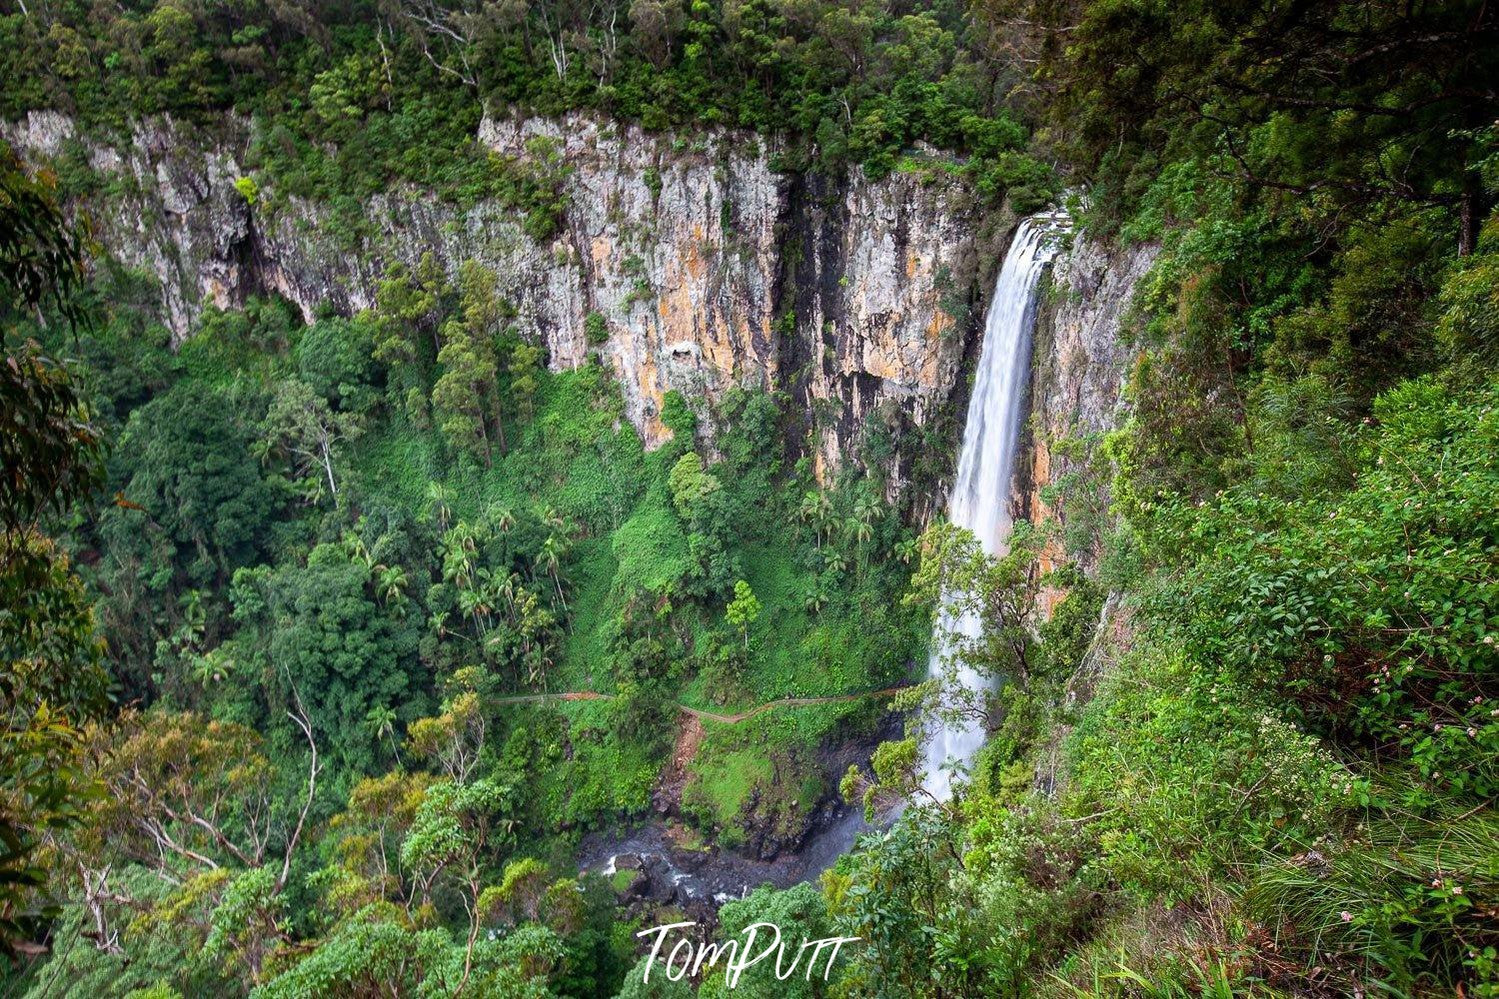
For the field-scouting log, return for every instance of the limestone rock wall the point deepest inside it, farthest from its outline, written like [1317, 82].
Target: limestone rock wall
[710, 268]
[1079, 365]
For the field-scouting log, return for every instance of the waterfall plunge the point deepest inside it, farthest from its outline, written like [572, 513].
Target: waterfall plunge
[980, 498]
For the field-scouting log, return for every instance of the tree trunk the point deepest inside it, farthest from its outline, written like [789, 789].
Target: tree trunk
[1470, 214]
[327, 456]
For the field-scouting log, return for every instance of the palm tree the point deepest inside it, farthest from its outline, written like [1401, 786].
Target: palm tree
[551, 558]
[380, 721]
[356, 549]
[507, 590]
[439, 503]
[458, 549]
[390, 582]
[474, 600]
[814, 510]
[551, 518]
[860, 531]
[194, 614]
[503, 518]
[212, 667]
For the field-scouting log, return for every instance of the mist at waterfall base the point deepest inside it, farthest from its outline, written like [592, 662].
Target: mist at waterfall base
[980, 499]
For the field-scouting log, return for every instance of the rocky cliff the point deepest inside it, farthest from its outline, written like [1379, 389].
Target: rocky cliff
[708, 266]
[1079, 365]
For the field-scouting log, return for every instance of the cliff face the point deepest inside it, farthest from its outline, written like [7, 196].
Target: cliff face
[1079, 365]
[709, 268]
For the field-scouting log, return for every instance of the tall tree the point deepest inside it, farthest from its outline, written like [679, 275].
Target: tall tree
[303, 425]
[50, 677]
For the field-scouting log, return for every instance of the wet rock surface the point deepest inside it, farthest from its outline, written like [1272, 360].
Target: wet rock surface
[668, 873]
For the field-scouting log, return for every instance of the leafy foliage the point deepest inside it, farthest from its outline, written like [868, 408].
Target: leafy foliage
[50, 676]
[345, 99]
[347, 565]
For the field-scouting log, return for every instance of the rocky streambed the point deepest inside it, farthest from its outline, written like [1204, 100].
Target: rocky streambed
[664, 871]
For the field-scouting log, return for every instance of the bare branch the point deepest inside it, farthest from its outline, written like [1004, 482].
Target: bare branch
[300, 718]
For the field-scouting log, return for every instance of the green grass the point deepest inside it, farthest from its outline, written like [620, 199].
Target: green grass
[721, 788]
[776, 668]
[396, 463]
[582, 664]
[774, 754]
[797, 653]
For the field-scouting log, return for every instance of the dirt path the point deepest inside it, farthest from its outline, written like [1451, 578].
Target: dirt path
[667, 795]
[787, 702]
[699, 713]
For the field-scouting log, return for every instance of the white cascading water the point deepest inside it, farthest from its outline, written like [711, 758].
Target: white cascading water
[980, 498]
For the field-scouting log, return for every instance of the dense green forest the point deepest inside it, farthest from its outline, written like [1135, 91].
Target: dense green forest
[287, 608]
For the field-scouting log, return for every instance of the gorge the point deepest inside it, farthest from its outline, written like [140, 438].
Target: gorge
[879, 282]
[488, 483]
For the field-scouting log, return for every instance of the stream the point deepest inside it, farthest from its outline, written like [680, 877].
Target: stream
[712, 876]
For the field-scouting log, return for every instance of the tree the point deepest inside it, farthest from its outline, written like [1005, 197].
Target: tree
[309, 431]
[553, 550]
[439, 504]
[743, 610]
[905, 894]
[368, 835]
[406, 310]
[525, 367]
[1338, 103]
[332, 640]
[196, 802]
[41, 256]
[335, 357]
[380, 722]
[463, 390]
[452, 741]
[897, 777]
[483, 313]
[186, 456]
[363, 956]
[50, 678]
[964, 584]
[690, 485]
[655, 25]
[447, 34]
[801, 914]
[466, 395]
[457, 833]
[815, 510]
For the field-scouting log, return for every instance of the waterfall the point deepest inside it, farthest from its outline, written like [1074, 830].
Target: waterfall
[980, 498]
